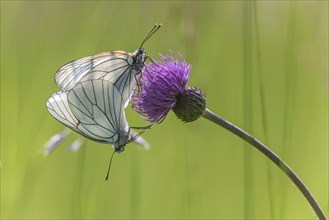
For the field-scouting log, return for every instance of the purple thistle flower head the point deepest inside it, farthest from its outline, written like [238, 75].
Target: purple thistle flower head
[163, 87]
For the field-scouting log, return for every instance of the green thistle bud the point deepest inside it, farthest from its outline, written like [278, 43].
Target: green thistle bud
[190, 104]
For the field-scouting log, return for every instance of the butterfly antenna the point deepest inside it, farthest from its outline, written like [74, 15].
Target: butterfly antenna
[108, 170]
[154, 29]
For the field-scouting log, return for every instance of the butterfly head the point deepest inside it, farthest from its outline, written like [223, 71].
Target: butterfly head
[139, 58]
[120, 149]
[140, 54]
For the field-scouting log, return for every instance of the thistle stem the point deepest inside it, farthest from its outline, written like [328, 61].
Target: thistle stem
[270, 155]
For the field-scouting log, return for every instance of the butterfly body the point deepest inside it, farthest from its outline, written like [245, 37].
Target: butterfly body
[139, 57]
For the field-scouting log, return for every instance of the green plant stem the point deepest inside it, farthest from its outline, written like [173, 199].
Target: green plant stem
[270, 155]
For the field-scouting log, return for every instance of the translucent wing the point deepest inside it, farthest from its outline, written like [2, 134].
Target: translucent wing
[117, 67]
[72, 73]
[93, 109]
[98, 106]
[59, 108]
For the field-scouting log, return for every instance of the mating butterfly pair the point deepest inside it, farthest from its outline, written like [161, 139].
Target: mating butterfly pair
[95, 91]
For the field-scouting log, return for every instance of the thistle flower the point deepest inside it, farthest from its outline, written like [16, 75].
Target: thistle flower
[163, 88]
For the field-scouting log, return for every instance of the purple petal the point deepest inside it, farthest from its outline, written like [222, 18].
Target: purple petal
[161, 82]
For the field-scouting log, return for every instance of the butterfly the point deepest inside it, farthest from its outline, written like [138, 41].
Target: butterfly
[122, 68]
[94, 109]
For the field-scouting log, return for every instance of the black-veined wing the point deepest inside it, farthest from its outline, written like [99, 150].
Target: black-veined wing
[98, 106]
[59, 108]
[73, 72]
[95, 110]
[119, 67]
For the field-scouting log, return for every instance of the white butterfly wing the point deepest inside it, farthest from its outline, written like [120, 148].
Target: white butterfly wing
[116, 67]
[59, 108]
[98, 106]
[93, 109]
[72, 73]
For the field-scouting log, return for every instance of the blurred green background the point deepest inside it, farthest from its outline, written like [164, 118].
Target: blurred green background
[263, 66]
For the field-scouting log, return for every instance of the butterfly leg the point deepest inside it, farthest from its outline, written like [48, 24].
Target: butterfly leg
[137, 82]
[142, 128]
[152, 61]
